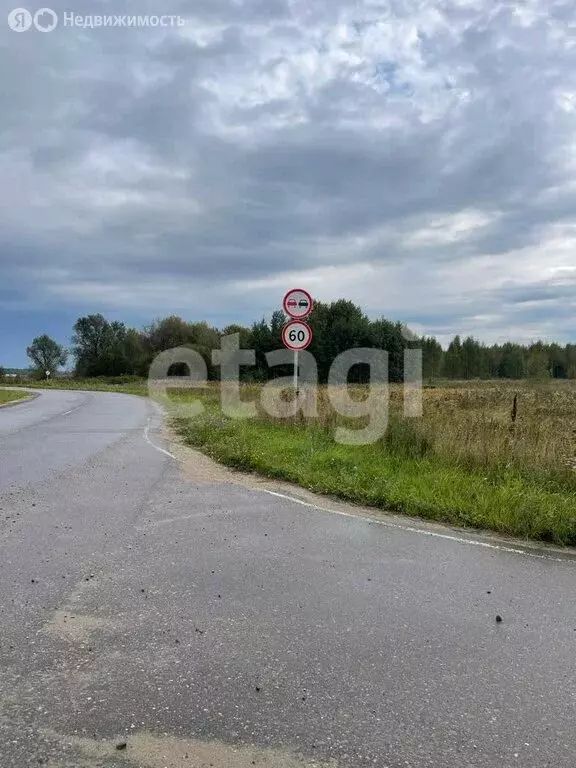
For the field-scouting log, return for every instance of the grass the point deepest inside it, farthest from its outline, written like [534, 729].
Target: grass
[6, 396]
[130, 385]
[464, 462]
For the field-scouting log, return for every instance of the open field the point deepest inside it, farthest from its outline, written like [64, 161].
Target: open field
[464, 461]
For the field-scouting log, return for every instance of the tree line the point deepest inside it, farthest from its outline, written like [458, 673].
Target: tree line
[470, 359]
[103, 348]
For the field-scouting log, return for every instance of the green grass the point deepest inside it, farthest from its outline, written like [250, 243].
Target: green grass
[400, 473]
[130, 385]
[6, 396]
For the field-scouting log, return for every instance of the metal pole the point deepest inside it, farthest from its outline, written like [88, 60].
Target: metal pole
[296, 372]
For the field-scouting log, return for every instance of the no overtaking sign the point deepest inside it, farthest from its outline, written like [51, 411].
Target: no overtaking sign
[298, 304]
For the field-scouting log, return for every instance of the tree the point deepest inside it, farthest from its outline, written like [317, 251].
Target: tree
[101, 348]
[242, 331]
[513, 363]
[571, 361]
[432, 356]
[393, 338]
[136, 358]
[538, 364]
[338, 327]
[90, 342]
[46, 355]
[558, 361]
[472, 358]
[169, 333]
[260, 340]
[453, 364]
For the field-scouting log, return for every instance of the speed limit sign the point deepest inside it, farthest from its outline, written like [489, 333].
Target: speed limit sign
[297, 335]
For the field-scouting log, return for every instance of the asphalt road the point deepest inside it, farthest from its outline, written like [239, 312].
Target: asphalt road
[212, 623]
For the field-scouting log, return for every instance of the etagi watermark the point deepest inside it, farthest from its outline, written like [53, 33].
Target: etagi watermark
[46, 20]
[373, 408]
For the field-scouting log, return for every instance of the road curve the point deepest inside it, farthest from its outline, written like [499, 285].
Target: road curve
[152, 620]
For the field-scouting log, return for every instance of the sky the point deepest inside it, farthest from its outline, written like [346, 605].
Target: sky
[417, 157]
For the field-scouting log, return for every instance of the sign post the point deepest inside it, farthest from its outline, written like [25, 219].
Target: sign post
[297, 334]
[296, 371]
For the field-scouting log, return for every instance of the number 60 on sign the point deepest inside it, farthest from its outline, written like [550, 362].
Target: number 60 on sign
[297, 335]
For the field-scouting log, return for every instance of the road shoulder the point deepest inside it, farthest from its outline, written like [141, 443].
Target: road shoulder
[200, 468]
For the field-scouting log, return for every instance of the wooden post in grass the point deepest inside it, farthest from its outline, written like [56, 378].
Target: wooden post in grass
[513, 417]
[514, 413]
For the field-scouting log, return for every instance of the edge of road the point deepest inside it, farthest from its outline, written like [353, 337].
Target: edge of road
[189, 458]
[199, 467]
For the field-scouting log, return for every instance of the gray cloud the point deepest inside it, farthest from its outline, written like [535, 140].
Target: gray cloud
[415, 156]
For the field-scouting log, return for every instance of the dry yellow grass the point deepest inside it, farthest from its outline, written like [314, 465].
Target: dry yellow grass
[471, 423]
[466, 423]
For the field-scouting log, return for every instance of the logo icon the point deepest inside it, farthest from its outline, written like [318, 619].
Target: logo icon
[45, 20]
[19, 20]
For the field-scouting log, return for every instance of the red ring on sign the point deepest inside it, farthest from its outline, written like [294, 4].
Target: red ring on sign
[288, 312]
[287, 343]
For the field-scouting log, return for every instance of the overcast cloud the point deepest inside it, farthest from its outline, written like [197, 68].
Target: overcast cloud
[418, 157]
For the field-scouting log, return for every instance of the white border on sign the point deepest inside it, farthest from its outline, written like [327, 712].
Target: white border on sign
[310, 303]
[285, 332]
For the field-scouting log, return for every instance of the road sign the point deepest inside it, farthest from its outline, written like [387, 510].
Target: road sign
[296, 335]
[298, 304]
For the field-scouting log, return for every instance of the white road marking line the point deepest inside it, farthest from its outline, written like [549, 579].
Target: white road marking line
[387, 523]
[166, 521]
[156, 447]
[421, 531]
[67, 413]
[76, 408]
